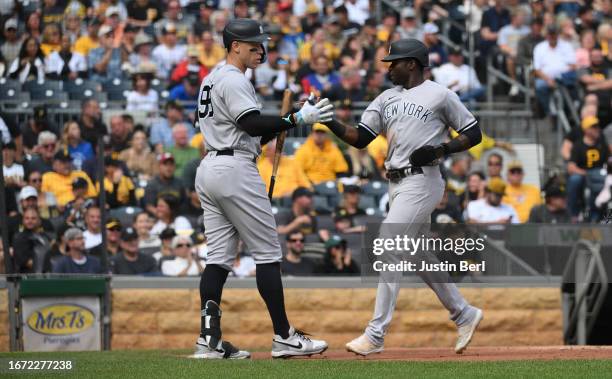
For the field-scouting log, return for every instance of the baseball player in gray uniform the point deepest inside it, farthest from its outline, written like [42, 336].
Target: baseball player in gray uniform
[233, 195]
[414, 116]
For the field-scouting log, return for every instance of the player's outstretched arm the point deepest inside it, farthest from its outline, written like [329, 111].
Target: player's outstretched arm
[354, 136]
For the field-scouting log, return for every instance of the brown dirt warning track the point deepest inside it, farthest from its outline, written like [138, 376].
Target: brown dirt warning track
[471, 354]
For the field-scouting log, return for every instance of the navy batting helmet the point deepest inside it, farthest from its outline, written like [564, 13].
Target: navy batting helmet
[408, 48]
[245, 30]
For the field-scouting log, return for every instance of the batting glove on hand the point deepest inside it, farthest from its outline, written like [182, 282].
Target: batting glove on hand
[425, 155]
[323, 111]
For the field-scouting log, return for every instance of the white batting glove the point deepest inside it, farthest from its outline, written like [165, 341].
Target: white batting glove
[323, 111]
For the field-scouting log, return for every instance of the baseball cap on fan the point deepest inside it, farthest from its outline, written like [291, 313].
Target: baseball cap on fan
[165, 157]
[28, 192]
[430, 28]
[11, 23]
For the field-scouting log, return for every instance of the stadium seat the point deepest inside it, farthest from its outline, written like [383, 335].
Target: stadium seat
[375, 188]
[325, 222]
[11, 92]
[34, 86]
[328, 189]
[117, 89]
[367, 219]
[49, 96]
[312, 238]
[292, 144]
[117, 94]
[80, 89]
[354, 241]
[367, 201]
[321, 204]
[88, 94]
[125, 215]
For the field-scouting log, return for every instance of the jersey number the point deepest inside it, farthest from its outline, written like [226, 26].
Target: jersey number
[205, 109]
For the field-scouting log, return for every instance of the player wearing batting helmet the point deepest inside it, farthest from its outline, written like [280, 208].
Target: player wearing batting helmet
[233, 194]
[414, 115]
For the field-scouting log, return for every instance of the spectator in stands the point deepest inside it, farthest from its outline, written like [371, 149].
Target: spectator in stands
[300, 217]
[47, 204]
[522, 197]
[142, 53]
[33, 27]
[105, 62]
[271, 77]
[350, 203]
[143, 97]
[586, 19]
[113, 239]
[210, 52]
[185, 262]
[322, 79]
[129, 260]
[526, 45]
[181, 20]
[456, 177]
[59, 181]
[76, 261]
[597, 80]
[28, 198]
[587, 157]
[495, 164]
[79, 150]
[120, 190]
[164, 183]
[30, 64]
[493, 19]
[91, 123]
[147, 243]
[445, 212]
[349, 87]
[553, 61]
[51, 39]
[161, 128]
[508, 39]
[191, 168]
[119, 134]
[319, 38]
[189, 64]
[604, 197]
[73, 26]
[169, 52]
[374, 85]
[36, 125]
[294, 264]
[165, 250]
[587, 44]
[437, 53]
[244, 264]
[290, 174]
[31, 244]
[74, 212]
[361, 164]
[168, 217]
[59, 248]
[188, 91]
[182, 152]
[42, 160]
[13, 172]
[93, 226]
[459, 78]
[143, 13]
[90, 41]
[475, 188]
[554, 210]
[343, 224]
[338, 258]
[490, 209]
[409, 25]
[64, 64]
[319, 157]
[12, 41]
[139, 158]
[202, 23]
[52, 12]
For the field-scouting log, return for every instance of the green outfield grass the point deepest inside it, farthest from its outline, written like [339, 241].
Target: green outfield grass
[170, 364]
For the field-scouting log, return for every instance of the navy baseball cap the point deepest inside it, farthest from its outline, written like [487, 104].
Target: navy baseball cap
[301, 191]
[129, 234]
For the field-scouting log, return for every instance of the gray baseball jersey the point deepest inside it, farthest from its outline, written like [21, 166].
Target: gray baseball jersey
[411, 118]
[225, 96]
[232, 194]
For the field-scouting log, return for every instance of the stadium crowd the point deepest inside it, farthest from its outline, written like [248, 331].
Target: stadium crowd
[145, 59]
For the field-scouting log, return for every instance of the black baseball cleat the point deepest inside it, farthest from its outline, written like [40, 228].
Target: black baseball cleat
[297, 344]
[210, 345]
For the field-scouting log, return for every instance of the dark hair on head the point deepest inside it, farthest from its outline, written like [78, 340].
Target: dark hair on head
[288, 236]
[172, 201]
[480, 174]
[127, 117]
[140, 128]
[501, 158]
[23, 50]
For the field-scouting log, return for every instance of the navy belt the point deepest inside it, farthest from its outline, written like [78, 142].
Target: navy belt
[230, 152]
[397, 174]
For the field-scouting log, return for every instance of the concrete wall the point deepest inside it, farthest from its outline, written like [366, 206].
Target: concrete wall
[169, 318]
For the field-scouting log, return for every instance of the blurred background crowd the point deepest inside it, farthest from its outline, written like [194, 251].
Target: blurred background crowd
[91, 81]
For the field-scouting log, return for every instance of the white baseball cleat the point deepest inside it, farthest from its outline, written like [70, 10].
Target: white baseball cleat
[297, 344]
[224, 350]
[363, 346]
[467, 331]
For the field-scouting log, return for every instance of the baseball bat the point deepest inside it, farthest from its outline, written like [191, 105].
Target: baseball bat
[280, 140]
